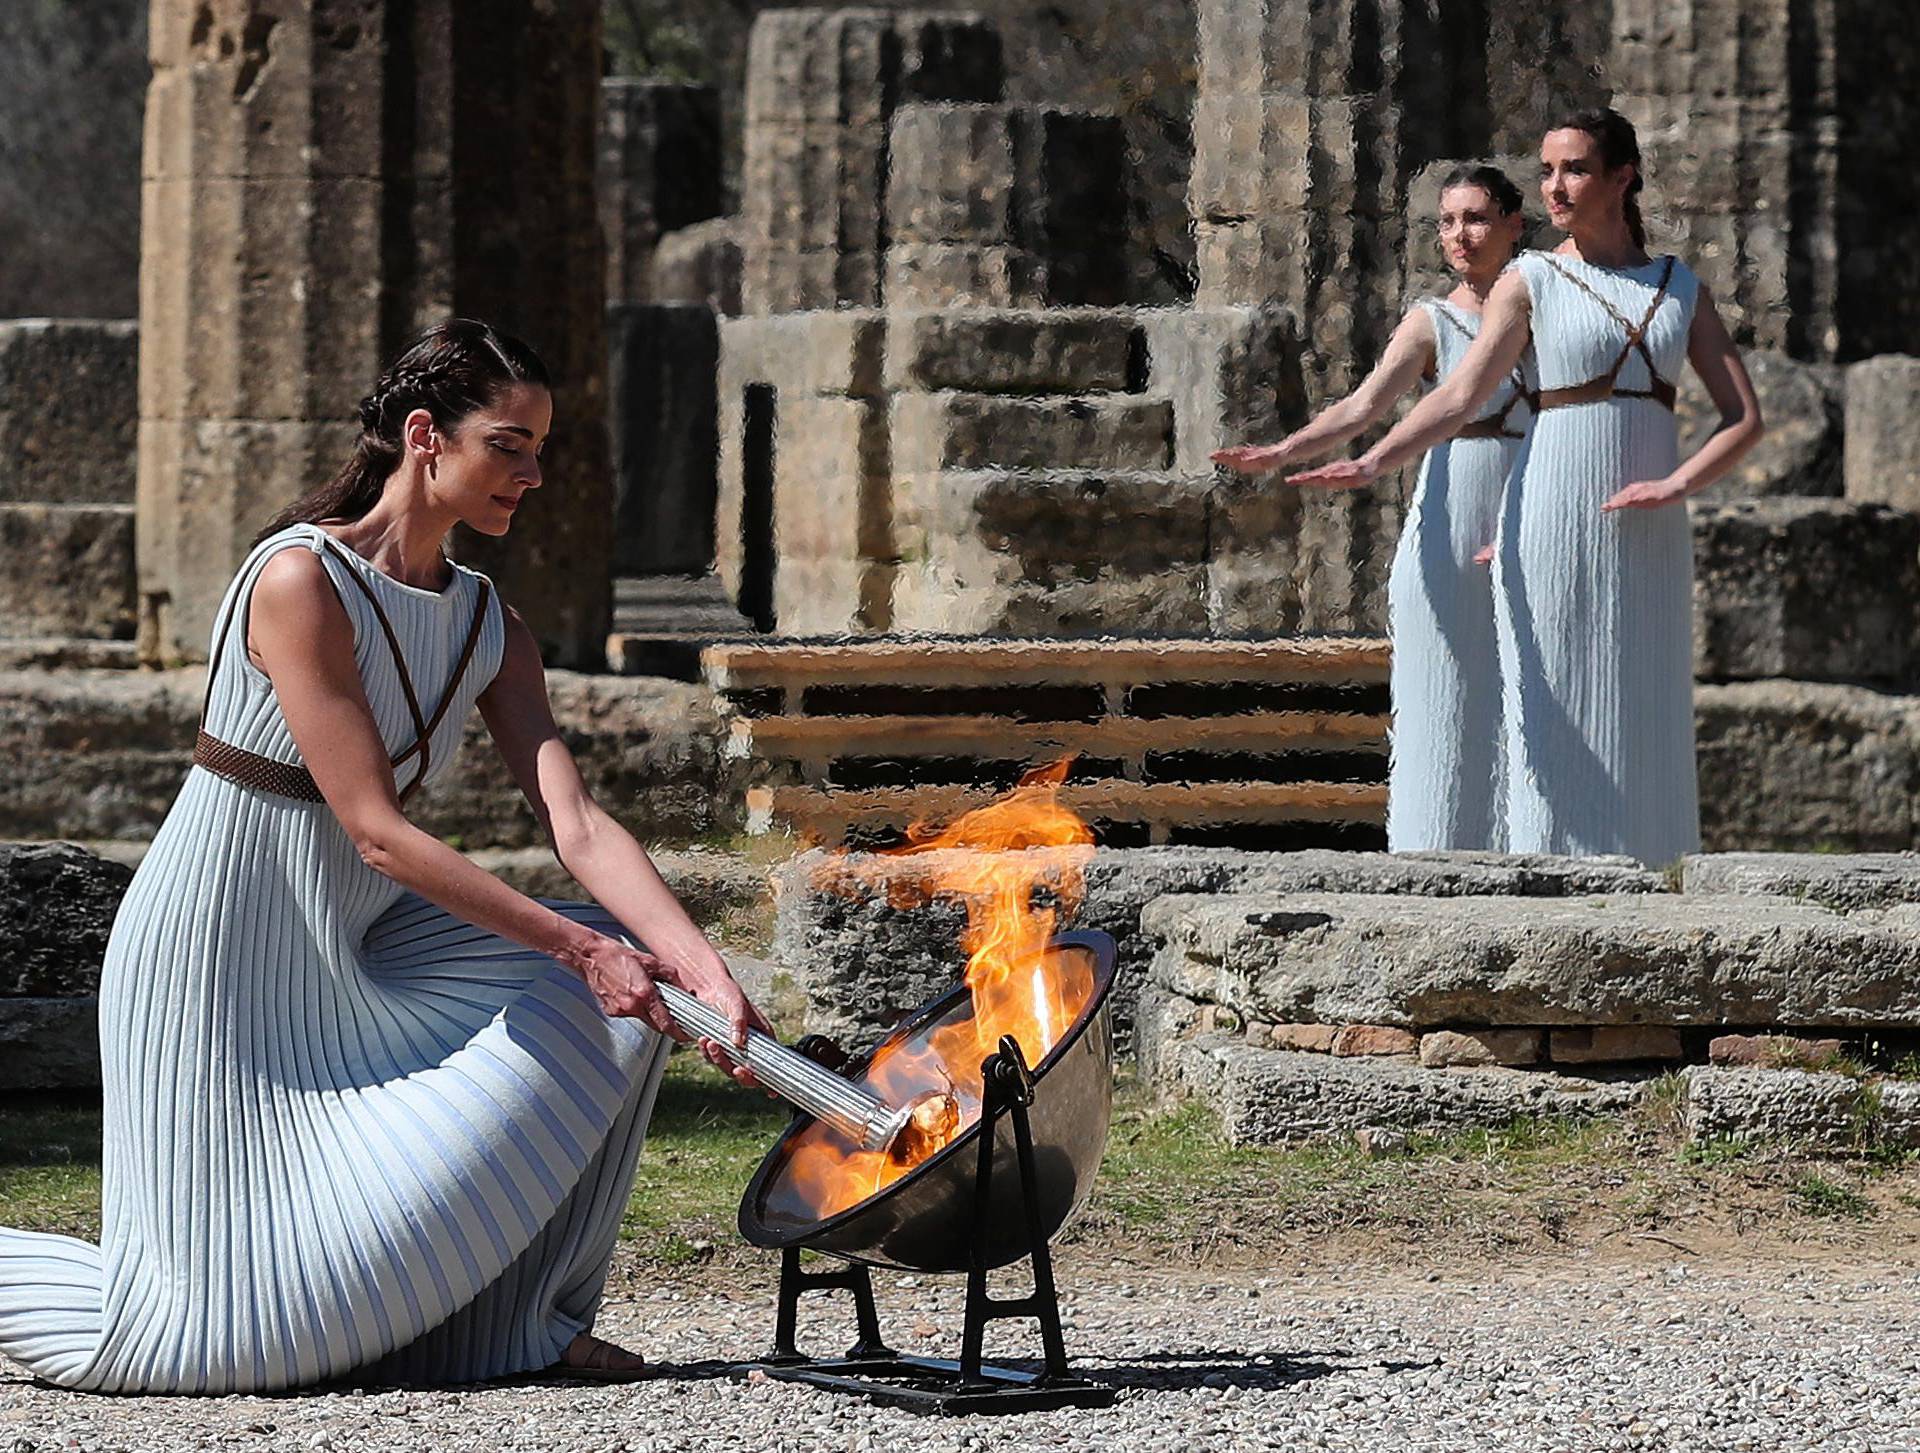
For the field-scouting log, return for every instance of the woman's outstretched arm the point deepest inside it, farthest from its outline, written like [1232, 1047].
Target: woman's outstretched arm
[1505, 329]
[301, 637]
[1717, 361]
[1409, 356]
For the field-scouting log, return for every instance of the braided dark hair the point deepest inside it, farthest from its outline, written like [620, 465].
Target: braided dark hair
[1619, 146]
[451, 370]
[1489, 179]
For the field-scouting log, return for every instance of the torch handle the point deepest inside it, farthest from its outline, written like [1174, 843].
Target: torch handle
[864, 1118]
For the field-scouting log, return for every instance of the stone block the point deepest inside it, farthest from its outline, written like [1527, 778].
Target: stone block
[806, 355]
[1813, 1110]
[830, 510]
[1603, 962]
[1843, 882]
[659, 170]
[1361, 1041]
[1796, 766]
[57, 903]
[1883, 431]
[863, 961]
[1275, 1097]
[813, 187]
[69, 403]
[699, 264]
[960, 275]
[67, 570]
[1614, 1044]
[663, 425]
[777, 279]
[1051, 554]
[1773, 1051]
[1286, 560]
[1307, 1038]
[1459, 1048]
[50, 1044]
[1249, 156]
[935, 432]
[1234, 375]
[1803, 404]
[847, 65]
[1048, 352]
[1809, 589]
[950, 175]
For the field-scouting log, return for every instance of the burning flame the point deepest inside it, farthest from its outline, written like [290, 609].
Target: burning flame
[993, 858]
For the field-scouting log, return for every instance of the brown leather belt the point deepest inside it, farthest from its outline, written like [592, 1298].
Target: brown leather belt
[1597, 390]
[292, 779]
[1492, 427]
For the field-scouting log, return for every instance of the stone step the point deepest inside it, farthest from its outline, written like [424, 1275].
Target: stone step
[1840, 881]
[1609, 960]
[82, 653]
[983, 351]
[1053, 553]
[661, 624]
[864, 959]
[66, 570]
[933, 432]
[1279, 1097]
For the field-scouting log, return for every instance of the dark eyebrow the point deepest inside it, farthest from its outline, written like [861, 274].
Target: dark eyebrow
[514, 429]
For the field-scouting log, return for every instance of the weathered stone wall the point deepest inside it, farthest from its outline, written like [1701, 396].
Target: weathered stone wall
[318, 186]
[659, 171]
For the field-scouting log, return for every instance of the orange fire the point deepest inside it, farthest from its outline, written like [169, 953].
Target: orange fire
[993, 859]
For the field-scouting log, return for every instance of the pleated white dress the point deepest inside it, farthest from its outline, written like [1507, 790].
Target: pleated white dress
[1595, 610]
[1444, 782]
[343, 1129]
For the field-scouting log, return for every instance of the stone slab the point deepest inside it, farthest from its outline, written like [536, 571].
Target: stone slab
[69, 406]
[1470, 1048]
[966, 431]
[1050, 352]
[1607, 960]
[1808, 589]
[863, 960]
[1883, 431]
[67, 570]
[102, 754]
[1805, 766]
[50, 1044]
[1843, 882]
[1279, 1097]
[698, 264]
[57, 902]
[1809, 1108]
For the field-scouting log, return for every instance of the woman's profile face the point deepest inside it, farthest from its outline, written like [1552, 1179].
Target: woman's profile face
[1475, 236]
[481, 469]
[1581, 191]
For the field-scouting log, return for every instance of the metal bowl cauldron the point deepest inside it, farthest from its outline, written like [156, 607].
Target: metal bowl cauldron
[928, 1220]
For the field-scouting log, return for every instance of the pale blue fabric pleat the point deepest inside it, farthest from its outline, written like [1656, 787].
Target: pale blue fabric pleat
[1595, 610]
[1444, 785]
[342, 1128]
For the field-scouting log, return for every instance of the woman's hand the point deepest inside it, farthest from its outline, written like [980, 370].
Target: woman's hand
[1341, 474]
[1254, 458]
[711, 982]
[1648, 494]
[1483, 556]
[622, 981]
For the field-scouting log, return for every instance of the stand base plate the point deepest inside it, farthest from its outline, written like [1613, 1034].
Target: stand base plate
[933, 1385]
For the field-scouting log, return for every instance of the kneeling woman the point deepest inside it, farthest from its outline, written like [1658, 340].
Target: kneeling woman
[1443, 790]
[367, 1107]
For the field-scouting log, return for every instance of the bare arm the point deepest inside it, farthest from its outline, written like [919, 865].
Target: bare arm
[612, 867]
[1409, 355]
[1506, 326]
[303, 639]
[1717, 361]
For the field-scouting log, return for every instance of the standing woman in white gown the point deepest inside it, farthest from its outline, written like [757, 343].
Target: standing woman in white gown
[1594, 561]
[1443, 790]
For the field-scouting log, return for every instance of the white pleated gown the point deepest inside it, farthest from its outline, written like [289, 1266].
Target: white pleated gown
[1444, 781]
[1595, 610]
[343, 1129]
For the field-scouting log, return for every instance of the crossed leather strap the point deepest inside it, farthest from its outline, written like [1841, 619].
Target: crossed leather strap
[1595, 390]
[290, 779]
[1494, 426]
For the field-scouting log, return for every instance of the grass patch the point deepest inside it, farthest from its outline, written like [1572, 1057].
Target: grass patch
[1819, 1195]
[50, 1163]
[1715, 1150]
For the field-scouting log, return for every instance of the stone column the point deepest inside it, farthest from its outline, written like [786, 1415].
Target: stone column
[660, 170]
[321, 179]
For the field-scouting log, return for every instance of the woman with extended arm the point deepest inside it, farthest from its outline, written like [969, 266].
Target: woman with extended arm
[1594, 566]
[1443, 788]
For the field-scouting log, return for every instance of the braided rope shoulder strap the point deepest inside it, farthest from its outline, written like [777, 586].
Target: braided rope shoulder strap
[291, 779]
[1603, 387]
[1494, 425]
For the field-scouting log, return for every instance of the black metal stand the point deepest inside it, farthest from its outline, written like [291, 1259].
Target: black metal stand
[935, 1384]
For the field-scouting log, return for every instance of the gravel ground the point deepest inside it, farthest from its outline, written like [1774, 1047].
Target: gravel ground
[1576, 1353]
